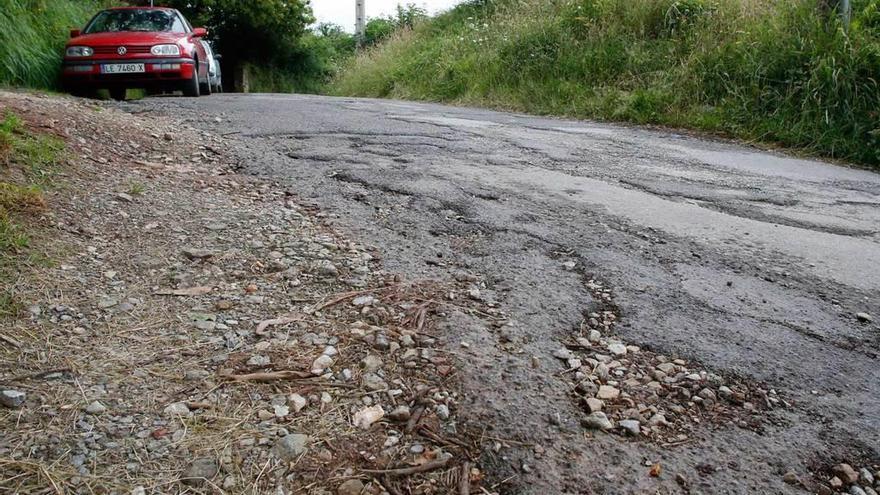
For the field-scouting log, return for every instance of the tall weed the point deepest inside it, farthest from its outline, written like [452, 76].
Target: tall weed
[32, 38]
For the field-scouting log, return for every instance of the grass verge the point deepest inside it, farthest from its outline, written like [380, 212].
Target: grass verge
[27, 164]
[32, 38]
[775, 72]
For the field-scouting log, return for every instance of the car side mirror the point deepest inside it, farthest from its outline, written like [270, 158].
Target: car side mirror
[200, 32]
[74, 33]
[218, 56]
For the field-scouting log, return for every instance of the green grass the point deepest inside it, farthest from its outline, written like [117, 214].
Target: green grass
[774, 72]
[135, 188]
[27, 164]
[32, 38]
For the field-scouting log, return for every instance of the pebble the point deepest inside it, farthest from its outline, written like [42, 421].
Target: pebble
[374, 382]
[597, 421]
[791, 478]
[298, 402]
[365, 418]
[12, 398]
[371, 363]
[96, 408]
[846, 473]
[563, 354]
[199, 471]
[594, 405]
[350, 487]
[617, 349]
[668, 368]
[443, 411]
[291, 446]
[864, 317]
[281, 411]
[856, 490]
[400, 413]
[197, 254]
[630, 426]
[364, 301]
[322, 363]
[865, 477]
[259, 361]
[177, 409]
[107, 302]
[658, 420]
[707, 394]
[607, 392]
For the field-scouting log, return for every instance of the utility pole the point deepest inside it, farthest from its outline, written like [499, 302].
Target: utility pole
[360, 27]
[845, 14]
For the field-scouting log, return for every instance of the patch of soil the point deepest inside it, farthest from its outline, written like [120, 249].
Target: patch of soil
[204, 332]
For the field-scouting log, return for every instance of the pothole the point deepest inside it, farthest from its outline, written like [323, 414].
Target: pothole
[643, 395]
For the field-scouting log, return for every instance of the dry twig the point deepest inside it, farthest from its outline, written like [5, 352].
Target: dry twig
[421, 468]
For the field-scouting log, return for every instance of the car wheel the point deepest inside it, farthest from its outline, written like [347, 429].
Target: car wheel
[118, 94]
[191, 87]
[206, 88]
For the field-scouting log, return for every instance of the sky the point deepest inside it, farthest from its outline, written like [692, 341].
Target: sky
[342, 11]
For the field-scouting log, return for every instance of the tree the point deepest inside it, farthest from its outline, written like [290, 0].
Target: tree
[257, 31]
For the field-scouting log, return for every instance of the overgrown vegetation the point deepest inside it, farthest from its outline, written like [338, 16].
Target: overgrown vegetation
[782, 72]
[32, 38]
[27, 162]
[318, 55]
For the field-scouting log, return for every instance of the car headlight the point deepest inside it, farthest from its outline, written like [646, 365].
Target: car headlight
[80, 51]
[165, 50]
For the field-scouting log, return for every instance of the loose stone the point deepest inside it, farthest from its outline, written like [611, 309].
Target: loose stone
[630, 426]
[291, 446]
[597, 421]
[607, 392]
[12, 398]
[350, 487]
[96, 408]
[200, 471]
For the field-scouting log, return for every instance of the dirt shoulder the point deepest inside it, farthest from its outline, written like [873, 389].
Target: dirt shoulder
[203, 332]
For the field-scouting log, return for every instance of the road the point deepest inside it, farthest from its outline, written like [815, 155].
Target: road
[750, 263]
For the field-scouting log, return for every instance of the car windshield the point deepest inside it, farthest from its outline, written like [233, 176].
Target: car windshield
[135, 20]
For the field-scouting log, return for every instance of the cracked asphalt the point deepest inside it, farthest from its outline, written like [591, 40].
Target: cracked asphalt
[751, 263]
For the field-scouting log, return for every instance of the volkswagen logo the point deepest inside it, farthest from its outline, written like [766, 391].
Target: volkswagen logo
[122, 50]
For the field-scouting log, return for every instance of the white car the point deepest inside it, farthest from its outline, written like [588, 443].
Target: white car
[215, 76]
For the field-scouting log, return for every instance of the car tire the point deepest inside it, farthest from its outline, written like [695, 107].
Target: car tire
[191, 87]
[206, 88]
[118, 94]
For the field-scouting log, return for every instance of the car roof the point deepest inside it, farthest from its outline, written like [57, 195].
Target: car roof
[141, 8]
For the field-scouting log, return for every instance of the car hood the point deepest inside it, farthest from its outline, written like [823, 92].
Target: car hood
[126, 38]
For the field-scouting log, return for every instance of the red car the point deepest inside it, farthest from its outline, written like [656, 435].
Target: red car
[155, 49]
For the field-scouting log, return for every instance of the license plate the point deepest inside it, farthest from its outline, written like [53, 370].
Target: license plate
[122, 68]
